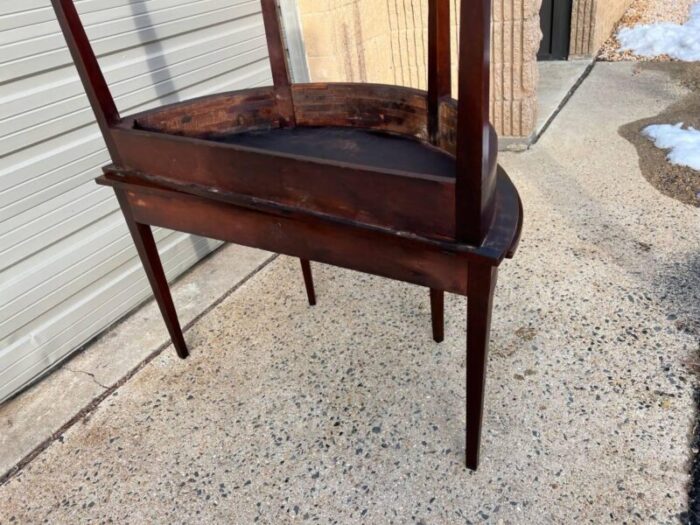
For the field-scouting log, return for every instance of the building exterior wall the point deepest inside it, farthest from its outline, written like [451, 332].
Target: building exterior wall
[592, 21]
[386, 42]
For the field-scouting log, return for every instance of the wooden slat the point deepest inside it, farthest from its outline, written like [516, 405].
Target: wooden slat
[395, 109]
[89, 70]
[416, 203]
[374, 106]
[215, 115]
[392, 256]
[475, 172]
[439, 66]
[278, 62]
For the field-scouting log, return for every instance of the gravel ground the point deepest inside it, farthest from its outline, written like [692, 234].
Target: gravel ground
[645, 12]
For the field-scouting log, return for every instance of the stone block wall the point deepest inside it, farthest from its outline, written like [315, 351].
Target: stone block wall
[385, 41]
[592, 21]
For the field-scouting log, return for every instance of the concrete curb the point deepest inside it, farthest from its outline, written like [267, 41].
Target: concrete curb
[38, 416]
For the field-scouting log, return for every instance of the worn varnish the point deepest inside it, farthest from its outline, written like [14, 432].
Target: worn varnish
[328, 172]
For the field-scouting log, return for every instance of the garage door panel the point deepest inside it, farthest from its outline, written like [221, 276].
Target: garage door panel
[26, 57]
[29, 194]
[68, 268]
[62, 82]
[86, 321]
[65, 260]
[43, 123]
[79, 277]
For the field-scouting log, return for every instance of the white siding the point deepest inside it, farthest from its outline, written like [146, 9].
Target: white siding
[68, 268]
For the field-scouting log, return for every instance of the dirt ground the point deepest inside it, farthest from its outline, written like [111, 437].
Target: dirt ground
[645, 12]
[680, 182]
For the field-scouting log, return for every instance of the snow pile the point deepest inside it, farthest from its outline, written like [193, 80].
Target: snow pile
[681, 42]
[683, 143]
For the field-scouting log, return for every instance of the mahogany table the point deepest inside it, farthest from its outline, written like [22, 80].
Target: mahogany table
[386, 180]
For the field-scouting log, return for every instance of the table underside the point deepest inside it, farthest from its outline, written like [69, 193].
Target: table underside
[363, 147]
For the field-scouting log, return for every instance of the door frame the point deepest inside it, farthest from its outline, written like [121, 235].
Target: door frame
[555, 22]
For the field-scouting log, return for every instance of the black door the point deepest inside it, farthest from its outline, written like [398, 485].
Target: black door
[555, 20]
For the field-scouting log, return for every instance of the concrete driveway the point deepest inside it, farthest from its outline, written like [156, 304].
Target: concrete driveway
[348, 412]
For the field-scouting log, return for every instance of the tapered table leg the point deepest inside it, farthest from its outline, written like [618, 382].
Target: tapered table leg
[308, 280]
[437, 314]
[148, 252]
[480, 286]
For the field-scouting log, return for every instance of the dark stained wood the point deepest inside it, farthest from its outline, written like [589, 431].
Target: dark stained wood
[510, 252]
[439, 62]
[495, 248]
[214, 115]
[278, 62]
[437, 314]
[386, 180]
[346, 246]
[357, 146]
[148, 252]
[394, 109]
[89, 71]
[480, 288]
[475, 172]
[420, 203]
[308, 281]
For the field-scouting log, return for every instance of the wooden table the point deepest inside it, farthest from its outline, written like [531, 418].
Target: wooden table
[386, 180]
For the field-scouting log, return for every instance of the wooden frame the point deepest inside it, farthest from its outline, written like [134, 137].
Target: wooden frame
[446, 225]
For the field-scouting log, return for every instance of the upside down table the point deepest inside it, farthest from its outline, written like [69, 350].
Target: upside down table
[387, 180]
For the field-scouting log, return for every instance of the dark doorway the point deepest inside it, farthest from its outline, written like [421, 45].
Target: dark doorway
[555, 21]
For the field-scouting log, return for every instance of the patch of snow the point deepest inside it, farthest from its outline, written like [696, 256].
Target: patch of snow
[683, 143]
[681, 42]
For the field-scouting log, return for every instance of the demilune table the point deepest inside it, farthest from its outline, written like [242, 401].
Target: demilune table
[382, 179]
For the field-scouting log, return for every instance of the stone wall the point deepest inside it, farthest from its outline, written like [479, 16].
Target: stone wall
[592, 21]
[386, 42]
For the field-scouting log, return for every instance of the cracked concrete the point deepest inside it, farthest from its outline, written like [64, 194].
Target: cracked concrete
[90, 374]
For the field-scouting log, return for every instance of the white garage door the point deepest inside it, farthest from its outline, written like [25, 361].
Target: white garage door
[67, 265]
